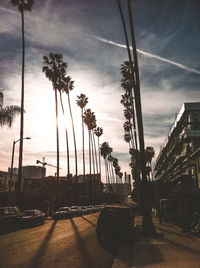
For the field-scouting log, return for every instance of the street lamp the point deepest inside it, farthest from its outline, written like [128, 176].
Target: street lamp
[11, 168]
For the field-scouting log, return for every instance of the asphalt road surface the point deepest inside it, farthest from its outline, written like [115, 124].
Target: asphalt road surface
[73, 243]
[62, 243]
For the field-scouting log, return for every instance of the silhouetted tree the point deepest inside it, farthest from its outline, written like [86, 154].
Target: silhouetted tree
[134, 71]
[55, 69]
[89, 119]
[82, 102]
[22, 5]
[149, 153]
[68, 85]
[98, 132]
[8, 113]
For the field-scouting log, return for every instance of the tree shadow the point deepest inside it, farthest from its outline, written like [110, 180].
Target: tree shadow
[37, 259]
[94, 215]
[171, 232]
[145, 253]
[185, 248]
[88, 221]
[81, 246]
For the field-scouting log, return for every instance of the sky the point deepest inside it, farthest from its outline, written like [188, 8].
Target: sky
[90, 36]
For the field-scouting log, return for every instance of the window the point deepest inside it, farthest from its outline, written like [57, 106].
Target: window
[198, 165]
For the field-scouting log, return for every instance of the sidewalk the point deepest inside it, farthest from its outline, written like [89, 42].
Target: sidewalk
[167, 248]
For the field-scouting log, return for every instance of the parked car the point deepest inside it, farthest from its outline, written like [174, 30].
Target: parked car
[63, 213]
[9, 219]
[75, 212]
[90, 209]
[32, 217]
[78, 209]
[115, 222]
[84, 210]
[98, 208]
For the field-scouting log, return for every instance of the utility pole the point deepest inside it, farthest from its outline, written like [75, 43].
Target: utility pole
[134, 69]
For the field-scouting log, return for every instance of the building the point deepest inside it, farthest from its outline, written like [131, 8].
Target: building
[31, 172]
[177, 167]
[122, 190]
[5, 181]
[71, 188]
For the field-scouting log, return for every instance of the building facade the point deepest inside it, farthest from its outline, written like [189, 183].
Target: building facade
[178, 160]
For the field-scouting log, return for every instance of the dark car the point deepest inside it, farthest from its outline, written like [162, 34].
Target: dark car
[32, 217]
[115, 222]
[90, 209]
[9, 219]
[76, 210]
[63, 213]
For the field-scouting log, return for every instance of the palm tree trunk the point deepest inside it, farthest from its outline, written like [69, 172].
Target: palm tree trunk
[134, 126]
[94, 170]
[70, 110]
[99, 158]
[108, 175]
[113, 174]
[75, 150]
[147, 219]
[95, 150]
[137, 97]
[67, 140]
[92, 147]
[83, 136]
[90, 165]
[106, 171]
[97, 169]
[151, 171]
[57, 138]
[22, 114]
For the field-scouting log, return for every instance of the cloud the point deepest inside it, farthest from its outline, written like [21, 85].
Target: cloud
[179, 65]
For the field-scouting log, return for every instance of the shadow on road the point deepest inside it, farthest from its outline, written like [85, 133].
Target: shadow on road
[88, 221]
[37, 260]
[171, 232]
[81, 246]
[183, 247]
[94, 215]
[145, 253]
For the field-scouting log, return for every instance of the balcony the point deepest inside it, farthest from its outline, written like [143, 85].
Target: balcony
[192, 134]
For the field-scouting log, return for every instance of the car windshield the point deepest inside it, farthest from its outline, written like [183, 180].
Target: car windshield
[29, 213]
[63, 209]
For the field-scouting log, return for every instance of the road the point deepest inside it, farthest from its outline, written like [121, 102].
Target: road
[73, 243]
[63, 243]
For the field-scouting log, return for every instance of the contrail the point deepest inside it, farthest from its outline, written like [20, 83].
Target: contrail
[150, 55]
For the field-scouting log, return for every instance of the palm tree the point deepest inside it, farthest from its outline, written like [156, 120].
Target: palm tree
[106, 151]
[22, 5]
[128, 101]
[150, 153]
[68, 85]
[110, 161]
[66, 132]
[98, 132]
[134, 71]
[82, 102]
[90, 121]
[127, 138]
[8, 113]
[54, 69]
